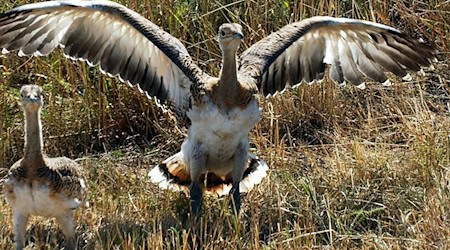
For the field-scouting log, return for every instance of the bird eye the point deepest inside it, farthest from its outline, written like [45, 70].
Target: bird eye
[222, 33]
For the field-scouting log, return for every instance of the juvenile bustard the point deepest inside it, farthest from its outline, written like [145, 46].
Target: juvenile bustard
[222, 110]
[38, 185]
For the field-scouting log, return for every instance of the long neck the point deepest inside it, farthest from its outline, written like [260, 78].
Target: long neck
[33, 135]
[228, 86]
[229, 66]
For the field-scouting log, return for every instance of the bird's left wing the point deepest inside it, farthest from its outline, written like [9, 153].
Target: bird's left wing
[355, 50]
[104, 33]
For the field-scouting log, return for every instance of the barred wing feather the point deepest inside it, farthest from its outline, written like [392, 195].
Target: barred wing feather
[120, 41]
[355, 51]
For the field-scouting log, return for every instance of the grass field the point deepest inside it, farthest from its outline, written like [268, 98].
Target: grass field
[349, 168]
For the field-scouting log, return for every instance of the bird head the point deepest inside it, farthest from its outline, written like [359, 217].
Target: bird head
[230, 36]
[31, 97]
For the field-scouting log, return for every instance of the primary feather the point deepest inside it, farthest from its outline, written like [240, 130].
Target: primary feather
[354, 51]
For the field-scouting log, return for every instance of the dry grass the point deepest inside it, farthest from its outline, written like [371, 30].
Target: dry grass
[349, 168]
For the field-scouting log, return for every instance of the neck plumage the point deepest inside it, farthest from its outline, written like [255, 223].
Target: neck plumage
[228, 87]
[33, 136]
[229, 66]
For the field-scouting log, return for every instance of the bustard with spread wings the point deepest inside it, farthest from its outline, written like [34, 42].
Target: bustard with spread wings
[222, 110]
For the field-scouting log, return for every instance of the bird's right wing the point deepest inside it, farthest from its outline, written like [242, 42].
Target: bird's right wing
[104, 33]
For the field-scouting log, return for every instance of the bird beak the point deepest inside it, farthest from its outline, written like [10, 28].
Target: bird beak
[33, 98]
[239, 35]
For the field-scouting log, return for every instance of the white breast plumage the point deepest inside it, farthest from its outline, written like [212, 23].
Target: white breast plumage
[38, 200]
[221, 131]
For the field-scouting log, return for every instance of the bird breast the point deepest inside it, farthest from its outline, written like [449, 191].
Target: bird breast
[37, 199]
[219, 130]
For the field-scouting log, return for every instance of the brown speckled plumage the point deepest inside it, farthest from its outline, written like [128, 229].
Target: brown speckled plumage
[63, 176]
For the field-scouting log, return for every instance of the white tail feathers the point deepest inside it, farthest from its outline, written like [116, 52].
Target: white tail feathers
[172, 174]
[255, 176]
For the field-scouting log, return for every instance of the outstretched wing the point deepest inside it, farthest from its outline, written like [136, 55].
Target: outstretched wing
[107, 34]
[354, 49]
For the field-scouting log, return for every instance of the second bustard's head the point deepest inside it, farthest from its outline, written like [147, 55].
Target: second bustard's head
[31, 98]
[230, 36]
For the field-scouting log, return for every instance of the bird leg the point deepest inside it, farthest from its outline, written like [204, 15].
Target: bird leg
[19, 228]
[197, 162]
[196, 197]
[240, 158]
[66, 223]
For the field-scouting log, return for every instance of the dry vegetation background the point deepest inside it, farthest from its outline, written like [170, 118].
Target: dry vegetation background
[349, 168]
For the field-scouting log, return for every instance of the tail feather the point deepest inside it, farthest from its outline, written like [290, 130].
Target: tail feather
[172, 174]
[253, 175]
